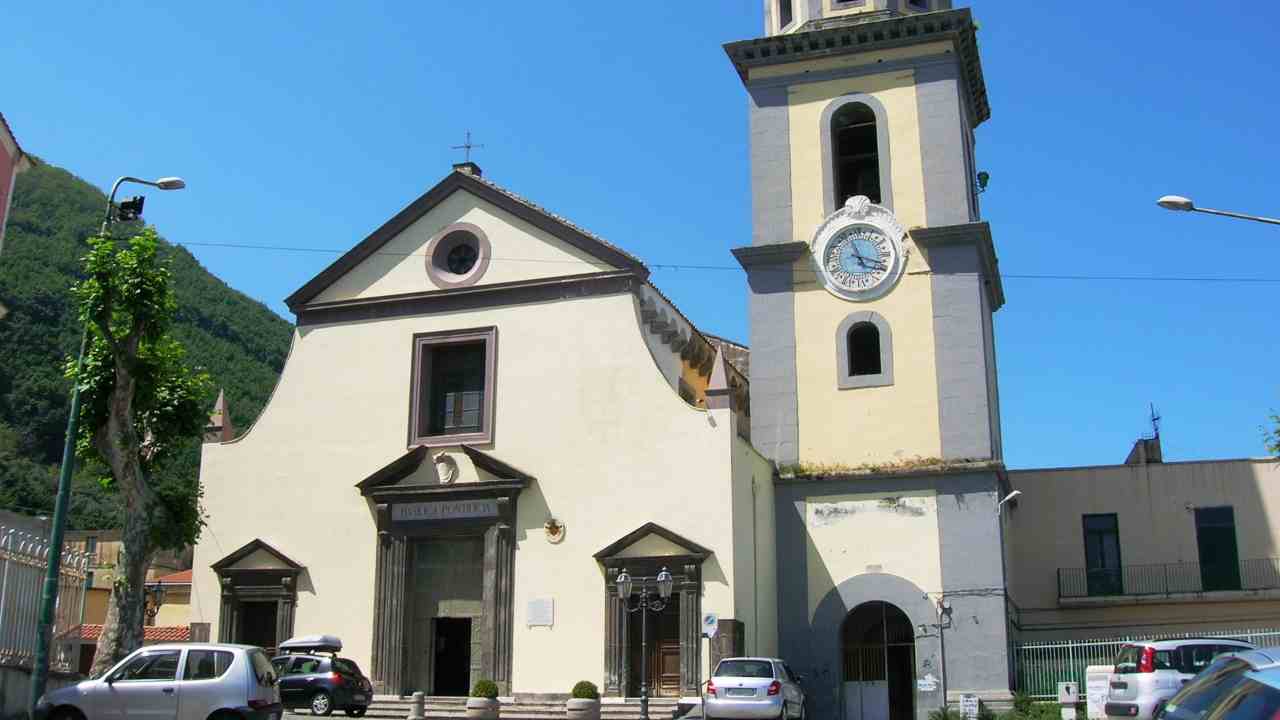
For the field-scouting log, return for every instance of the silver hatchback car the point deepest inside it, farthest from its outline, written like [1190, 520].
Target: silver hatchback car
[753, 688]
[174, 682]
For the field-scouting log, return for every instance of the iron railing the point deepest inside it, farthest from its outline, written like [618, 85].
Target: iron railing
[1040, 666]
[1169, 578]
[24, 559]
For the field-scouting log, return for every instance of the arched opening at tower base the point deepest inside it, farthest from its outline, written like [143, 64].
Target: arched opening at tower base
[878, 653]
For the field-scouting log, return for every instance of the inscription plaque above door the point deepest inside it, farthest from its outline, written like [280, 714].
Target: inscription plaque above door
[447, 510]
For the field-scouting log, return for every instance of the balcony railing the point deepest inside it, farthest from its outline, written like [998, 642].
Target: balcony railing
[1169, 578]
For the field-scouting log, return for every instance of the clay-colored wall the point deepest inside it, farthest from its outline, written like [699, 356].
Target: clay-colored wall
[1153, 504]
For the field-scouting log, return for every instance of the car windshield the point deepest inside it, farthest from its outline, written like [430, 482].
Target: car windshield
[1196, 698]
[745, 668]
[346, 667]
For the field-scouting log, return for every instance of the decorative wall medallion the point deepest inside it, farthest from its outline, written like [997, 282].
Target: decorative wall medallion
[555, 531]
[446, 468]
[859, 250]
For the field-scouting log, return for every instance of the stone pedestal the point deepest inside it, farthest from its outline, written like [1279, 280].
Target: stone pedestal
[582, 709]
[483, 709]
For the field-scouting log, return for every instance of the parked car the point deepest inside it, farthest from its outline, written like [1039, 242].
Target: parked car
[313, 676]
[1146, 675]
[193, 681]
[753, 688]
[1237, 687]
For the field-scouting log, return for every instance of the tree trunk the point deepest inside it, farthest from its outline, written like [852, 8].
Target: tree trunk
[118, 441]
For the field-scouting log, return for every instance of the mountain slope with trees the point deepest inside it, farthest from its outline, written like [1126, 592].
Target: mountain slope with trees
[239, 341]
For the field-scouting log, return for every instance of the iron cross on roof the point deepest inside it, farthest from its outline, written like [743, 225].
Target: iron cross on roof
[467, 147]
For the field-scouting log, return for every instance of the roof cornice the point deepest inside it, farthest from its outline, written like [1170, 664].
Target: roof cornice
[977, 234]
[957, 26]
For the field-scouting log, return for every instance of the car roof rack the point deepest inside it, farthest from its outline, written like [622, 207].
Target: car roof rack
[312, 644]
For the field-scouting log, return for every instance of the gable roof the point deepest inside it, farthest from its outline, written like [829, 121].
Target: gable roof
[248, 549]
[409, 463]
[490, 192]
[652, 528]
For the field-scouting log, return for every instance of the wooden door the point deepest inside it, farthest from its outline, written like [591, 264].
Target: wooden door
[666, 661]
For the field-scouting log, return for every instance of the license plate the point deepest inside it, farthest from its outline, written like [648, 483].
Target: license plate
[741, 692]
[358, 698]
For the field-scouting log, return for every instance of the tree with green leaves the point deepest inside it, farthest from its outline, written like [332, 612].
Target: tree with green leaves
[142, 405]
[1271, 436]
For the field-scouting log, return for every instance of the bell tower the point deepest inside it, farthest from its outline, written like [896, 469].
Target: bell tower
[872, 277]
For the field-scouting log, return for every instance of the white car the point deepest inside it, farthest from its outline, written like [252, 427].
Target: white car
[755, 688]
[1147, 674]
[194, 681]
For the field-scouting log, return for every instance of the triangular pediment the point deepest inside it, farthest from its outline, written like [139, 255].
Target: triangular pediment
[256, 555]
[651, 540]
[525, 241]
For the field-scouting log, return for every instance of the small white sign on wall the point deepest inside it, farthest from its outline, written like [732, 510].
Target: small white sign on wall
[541, 612]
[969, 706]
[710, 624]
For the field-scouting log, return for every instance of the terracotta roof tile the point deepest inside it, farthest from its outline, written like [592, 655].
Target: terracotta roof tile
[150, 634]
[178, 578]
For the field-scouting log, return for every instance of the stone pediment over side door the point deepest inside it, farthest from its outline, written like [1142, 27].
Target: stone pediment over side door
[514, 241]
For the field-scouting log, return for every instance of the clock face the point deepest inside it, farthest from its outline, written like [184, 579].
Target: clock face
[860, 260]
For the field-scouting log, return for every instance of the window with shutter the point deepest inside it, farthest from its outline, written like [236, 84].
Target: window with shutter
[453, 394]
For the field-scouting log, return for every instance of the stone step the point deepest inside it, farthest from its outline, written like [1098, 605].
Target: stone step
[453, 708]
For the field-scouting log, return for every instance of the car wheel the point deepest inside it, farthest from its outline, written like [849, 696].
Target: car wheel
[66, 714]
[321, 703]
[783, 715]
[356, 711]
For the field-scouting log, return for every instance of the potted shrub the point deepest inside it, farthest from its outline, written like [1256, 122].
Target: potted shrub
[483, 703]
[584, 702]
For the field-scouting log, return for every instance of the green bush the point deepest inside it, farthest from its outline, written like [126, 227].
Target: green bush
[1023, 704]
[986, 713]
[485, 689]
[586, 690]
[944, 713]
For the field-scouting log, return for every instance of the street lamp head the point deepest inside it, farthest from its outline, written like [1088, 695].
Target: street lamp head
[624, 584]
[665, 581]
[1176, 202]
[171, 183]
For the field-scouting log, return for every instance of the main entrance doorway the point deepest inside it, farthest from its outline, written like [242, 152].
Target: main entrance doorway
[663, 645]
[447, 594]
[452, 656]
[879, 663]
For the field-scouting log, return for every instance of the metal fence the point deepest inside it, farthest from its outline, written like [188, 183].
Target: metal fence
[24, 559]
[1169, 578]
[1040, 666]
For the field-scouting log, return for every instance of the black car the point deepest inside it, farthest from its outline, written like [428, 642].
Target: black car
[321, 682]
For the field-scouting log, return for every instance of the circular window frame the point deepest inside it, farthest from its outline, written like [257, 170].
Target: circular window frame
[443, 242]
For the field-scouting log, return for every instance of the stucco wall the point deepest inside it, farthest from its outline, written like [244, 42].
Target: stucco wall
[580, 405]
[828, 417]
[1153, 504]
[519, 252]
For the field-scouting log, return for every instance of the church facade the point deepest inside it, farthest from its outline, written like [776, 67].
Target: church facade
[488, 414]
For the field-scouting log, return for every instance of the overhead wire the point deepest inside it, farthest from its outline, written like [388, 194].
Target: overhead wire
[731, 268]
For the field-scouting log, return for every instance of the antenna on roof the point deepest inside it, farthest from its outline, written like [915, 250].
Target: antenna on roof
[467, 147]
[1155, 422]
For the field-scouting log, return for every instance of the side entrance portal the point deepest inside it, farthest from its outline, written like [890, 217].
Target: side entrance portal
[879, 663]
[663, 645]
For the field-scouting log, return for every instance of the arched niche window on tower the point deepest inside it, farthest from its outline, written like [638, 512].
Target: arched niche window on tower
[785, 13]
[856, 153]
[864, 349]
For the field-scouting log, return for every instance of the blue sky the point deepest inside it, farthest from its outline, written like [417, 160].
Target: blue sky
[309, 124]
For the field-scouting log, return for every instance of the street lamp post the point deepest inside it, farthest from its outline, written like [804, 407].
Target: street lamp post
[49, 594]
[646, 603]
[1182, 204]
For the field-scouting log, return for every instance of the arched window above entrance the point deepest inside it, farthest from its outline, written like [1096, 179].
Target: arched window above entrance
[864, 350]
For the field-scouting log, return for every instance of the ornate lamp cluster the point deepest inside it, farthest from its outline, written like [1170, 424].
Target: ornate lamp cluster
[645, 603]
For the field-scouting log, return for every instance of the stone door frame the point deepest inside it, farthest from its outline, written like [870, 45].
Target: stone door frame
[277, 583]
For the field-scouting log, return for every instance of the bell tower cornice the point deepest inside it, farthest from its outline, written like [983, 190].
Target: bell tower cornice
[838, 37]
